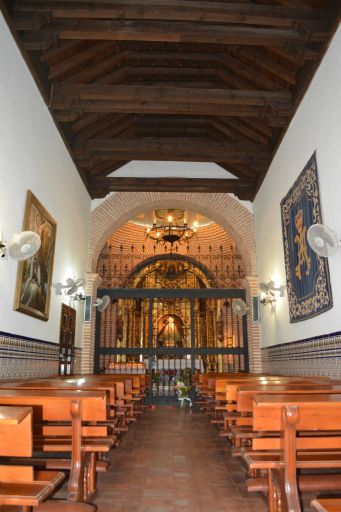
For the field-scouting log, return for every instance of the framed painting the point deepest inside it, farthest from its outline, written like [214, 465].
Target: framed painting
[307, 274]
[34, 277]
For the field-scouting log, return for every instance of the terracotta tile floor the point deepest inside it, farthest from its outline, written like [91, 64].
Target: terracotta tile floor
[172, 460]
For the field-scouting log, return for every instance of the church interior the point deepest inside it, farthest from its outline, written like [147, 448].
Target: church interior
[170, 255]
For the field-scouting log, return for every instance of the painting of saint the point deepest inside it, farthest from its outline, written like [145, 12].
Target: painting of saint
[34, 277]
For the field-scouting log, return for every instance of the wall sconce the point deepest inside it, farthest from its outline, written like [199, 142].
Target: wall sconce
[267, 298]
[80, 297]
[70, 287]
[268, 292]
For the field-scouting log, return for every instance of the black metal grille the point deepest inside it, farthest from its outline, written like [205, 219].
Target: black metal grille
[170, 330]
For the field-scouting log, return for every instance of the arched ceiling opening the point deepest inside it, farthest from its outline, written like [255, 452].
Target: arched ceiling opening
[213, 248]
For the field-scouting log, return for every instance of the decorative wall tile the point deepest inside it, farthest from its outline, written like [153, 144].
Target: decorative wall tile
[320, 355]
[24, 358]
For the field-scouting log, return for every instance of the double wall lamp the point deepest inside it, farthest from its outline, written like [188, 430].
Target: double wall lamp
[269, 291]
[71, 288]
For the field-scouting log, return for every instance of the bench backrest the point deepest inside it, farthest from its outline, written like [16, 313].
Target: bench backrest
[246, 393]
[295, 414]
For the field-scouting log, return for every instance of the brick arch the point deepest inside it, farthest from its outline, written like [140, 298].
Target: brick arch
[223, 209]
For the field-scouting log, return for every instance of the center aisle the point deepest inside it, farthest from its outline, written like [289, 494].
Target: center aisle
[172, 460]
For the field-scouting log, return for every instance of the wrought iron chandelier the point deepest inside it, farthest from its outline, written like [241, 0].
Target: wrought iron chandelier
[170, 227]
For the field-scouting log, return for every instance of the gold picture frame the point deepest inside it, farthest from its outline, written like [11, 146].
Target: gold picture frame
[34, 277]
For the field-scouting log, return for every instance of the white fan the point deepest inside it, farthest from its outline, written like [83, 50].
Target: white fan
[23, 246]
[323, 240]
[239, 307]
[103, 303]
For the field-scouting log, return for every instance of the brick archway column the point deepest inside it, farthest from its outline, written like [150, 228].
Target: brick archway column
[88, 351]
[253, 328]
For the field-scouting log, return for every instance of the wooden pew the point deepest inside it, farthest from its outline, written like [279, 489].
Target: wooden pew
[241, 417]
[327, 505]
[212, 394]
[124, 397]
[73, 408]
[22, 485]
[130, 394]
[245, 394]
[304, 421]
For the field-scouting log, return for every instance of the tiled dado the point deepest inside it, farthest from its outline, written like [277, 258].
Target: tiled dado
[320, 355]
[22, 357]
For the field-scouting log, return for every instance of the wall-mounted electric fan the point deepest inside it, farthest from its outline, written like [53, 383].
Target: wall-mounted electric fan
[323, 240]
[22, 246]
[103, 303]
[239, 307]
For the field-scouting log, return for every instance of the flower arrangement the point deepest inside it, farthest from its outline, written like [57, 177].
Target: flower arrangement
[184, 386]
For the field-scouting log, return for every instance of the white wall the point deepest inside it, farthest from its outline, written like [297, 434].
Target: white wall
[33, 156]
[316, 126]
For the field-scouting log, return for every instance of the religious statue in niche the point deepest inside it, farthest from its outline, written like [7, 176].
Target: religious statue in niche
[169, 331]
[308, 283]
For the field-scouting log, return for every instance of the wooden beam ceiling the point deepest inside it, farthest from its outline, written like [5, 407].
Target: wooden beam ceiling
[190, 80]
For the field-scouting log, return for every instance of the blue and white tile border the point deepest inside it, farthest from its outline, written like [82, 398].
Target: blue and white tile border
[319, 355]
[23, 357]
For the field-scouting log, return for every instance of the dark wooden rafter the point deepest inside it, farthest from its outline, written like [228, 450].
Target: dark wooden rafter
[177, 31]
[180, 10]
[172, 148]
[102, 186]
[191, 80]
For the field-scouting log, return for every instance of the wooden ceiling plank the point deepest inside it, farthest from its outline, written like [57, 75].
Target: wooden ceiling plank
[98, 125]
[91, 73]
[189, 95]
[225, 130]
[246, 71]
[79, 107]
[253, 136]
[257, 126]
[59, 48]
[238, 171]
[37, 41]
[114, 166]
[242, 188]
[103, 167]
[80, 58]
[173, 32]
[185, 72]
[263, 61]
[162, 148]
[177, 10]
[172, 59]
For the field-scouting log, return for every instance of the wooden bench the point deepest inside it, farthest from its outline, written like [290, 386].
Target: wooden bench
[310, 439]
[124, 398]
[22, 485]
[240, 416]
[59, 426]
[327, 505]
